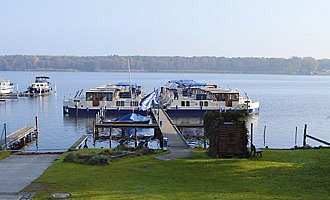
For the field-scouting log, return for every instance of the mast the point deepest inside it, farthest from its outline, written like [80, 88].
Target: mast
[129, 82]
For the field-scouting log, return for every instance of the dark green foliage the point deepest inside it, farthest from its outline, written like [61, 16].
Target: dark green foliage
[98, 160]
[294, 65]
[88, 159]
[104, 157]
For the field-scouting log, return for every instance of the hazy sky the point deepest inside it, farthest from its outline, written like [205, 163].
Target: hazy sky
[231, 28]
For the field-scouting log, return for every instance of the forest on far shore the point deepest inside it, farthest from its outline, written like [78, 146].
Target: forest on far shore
[200, 64]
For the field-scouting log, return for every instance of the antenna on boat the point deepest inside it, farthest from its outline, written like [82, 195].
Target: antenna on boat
[55, 89]
[129, 83]
[246, 96]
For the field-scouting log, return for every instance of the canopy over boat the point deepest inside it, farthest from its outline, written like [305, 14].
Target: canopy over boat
[126, 84]
[133, 118]
[187, 83]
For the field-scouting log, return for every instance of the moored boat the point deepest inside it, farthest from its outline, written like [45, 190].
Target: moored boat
[6, 87]
[191, 98]
[40, 87]
[112, 99]
[7, 90]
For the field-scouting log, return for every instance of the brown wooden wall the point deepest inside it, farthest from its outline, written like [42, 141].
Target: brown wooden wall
[231, 141]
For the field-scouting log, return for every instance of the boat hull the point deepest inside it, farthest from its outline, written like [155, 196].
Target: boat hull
[91, 112]
[200, 112]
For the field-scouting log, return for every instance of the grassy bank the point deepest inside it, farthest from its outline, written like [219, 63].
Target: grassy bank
[4, 154]
[280, 174]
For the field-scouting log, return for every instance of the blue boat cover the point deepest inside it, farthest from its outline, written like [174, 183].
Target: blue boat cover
[126, 84]
[187, 83]
[133, 117]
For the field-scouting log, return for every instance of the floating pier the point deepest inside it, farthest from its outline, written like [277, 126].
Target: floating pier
[78, 144]
[8, 96]
[20, 138]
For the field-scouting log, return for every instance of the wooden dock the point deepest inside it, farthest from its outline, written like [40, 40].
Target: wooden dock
[78, 144]
[124, 125]
[19, 138]
[169, 129]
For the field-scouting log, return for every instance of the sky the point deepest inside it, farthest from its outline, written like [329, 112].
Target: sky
[229, 28]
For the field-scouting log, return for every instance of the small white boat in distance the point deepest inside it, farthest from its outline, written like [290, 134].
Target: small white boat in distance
[6, 87]
[40, 87]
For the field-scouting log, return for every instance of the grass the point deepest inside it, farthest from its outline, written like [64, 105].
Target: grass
[279, 174]
[4, 154]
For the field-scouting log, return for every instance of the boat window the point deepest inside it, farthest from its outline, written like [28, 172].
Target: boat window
[120, 103]
[126, 95]
[206, 103]
[200, 96]
[134, 103]
[183, 103]
[221, 97]
[201, 103]
[89, 97]
[235, 97]
[187, 103]
[98, 96]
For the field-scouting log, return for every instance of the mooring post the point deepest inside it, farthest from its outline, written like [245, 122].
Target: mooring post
[265, 136]
[37, 132]
[305, 132]
[110, 137]
[295, 137]
[251, 135]
[5, 129]
[136, 137]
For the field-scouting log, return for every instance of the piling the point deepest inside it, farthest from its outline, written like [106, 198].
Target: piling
[265, 136]
[295, 137]
[110, 137]
[304, 138]
[37, 132]
[136, 137]
[5, 130]
[251, 135]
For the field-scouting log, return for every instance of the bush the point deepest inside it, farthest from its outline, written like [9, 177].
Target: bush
[88, 159]
[98, 160]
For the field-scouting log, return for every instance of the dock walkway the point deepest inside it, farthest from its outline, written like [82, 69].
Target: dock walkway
[21, 134]
[176, 142]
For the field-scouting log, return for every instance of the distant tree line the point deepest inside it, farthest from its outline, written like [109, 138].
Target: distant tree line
[294, 65]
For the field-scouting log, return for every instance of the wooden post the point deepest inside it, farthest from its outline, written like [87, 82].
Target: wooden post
[5, 129]
[295, 137]
[265, 136]
[305, 132]
[251, 134]
[37, 132]
[136, 137]
[110, 137]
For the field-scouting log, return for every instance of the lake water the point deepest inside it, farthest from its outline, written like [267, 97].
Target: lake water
[286, 101]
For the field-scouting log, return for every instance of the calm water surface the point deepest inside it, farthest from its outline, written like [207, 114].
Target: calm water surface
[285, 102]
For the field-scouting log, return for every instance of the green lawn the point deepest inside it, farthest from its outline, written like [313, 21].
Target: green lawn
[279, 174]
[4, 154]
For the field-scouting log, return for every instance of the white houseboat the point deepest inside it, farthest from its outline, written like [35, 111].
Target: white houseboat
[114, 99]
[40, 87]
[190, 98]
[6, 87]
